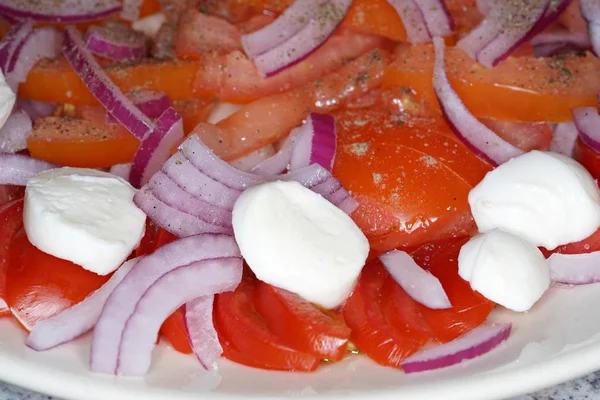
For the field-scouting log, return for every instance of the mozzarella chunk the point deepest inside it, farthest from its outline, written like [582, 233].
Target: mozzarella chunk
[505, 269]
[83, 215]
[544, 197]
[294, 239]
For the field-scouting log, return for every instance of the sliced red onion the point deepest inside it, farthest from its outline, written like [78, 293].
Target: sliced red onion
[305, 41]
[196, 183]
[16, 169]
[100, 85]
[516, 30]
[155, 149]
[473, 344]
[42, 43]
[121, 304]
[560, 42]
[151, 103]
[423, 287]
[484, 33]
[169, 192]
[484, 6]
[121, 170]
[575, 269]
[250, 161]
[167, 294]
[564, 136]
[438, 18]
[280, 161]
[171, 219]
[63, 11]
[479, 138]
[36, 109]
[348, 205]
[76, 320]
[131, 9]
[201, 330]
[206, 161]
[11, 41]
[413, 20]
[590, 11]
[116, 41]
[293, 19]
[587, 121]
[14, 132]
[315, 142]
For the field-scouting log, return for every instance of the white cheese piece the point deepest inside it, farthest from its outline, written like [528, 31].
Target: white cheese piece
[7, 100]
[222, 111]
[544, 197]
[505, 269]
[83, 215]
[294, 239]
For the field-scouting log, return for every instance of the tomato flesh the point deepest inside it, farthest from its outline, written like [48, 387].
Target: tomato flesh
[39, 285]
[300, 324]
[237, 320]
[469, 308]
[371, 333]
[403, 313]
[413, 180]
[11, 221]
[518, 89]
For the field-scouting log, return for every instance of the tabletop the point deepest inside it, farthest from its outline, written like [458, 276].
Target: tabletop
[586, 388]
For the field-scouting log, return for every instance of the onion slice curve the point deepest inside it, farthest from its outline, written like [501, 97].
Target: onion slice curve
[575, 269]
[475, 343]
[16, 169]
[423, 287]
[479, 138]
[201, 330]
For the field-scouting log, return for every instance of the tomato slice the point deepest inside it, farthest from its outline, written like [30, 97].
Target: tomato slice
[587, 157]
[469, 308]
[238, 321]
[39, 285]
[11, 221]
[300, 324]
[414, 178]
[371, 333]
[520, 88]
[176, 333]
[403, 313]
[55, 81]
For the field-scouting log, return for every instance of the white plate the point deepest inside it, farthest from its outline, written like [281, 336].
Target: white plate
[557, 341]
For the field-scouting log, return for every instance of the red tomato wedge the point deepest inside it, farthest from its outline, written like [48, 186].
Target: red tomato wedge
[11, 221]
[300, 324]
[524, 89]
[413, 180]
[238, 321]
[176, 333]
[371, 333]
[403, 314]
[469, 308]
[587, 157]
[39, 285]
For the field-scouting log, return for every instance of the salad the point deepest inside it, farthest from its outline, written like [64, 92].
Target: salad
[285, 183]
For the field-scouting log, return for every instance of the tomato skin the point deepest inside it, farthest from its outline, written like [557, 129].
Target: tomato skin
[587, 157]
[39, 285]
[469, 308]
[300, 324]
[370, 331]
[11, 221]
[175, 331]
[237, 320]
[413, 180]
[403, 313]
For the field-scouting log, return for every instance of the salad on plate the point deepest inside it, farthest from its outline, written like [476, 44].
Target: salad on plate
[289, 183]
